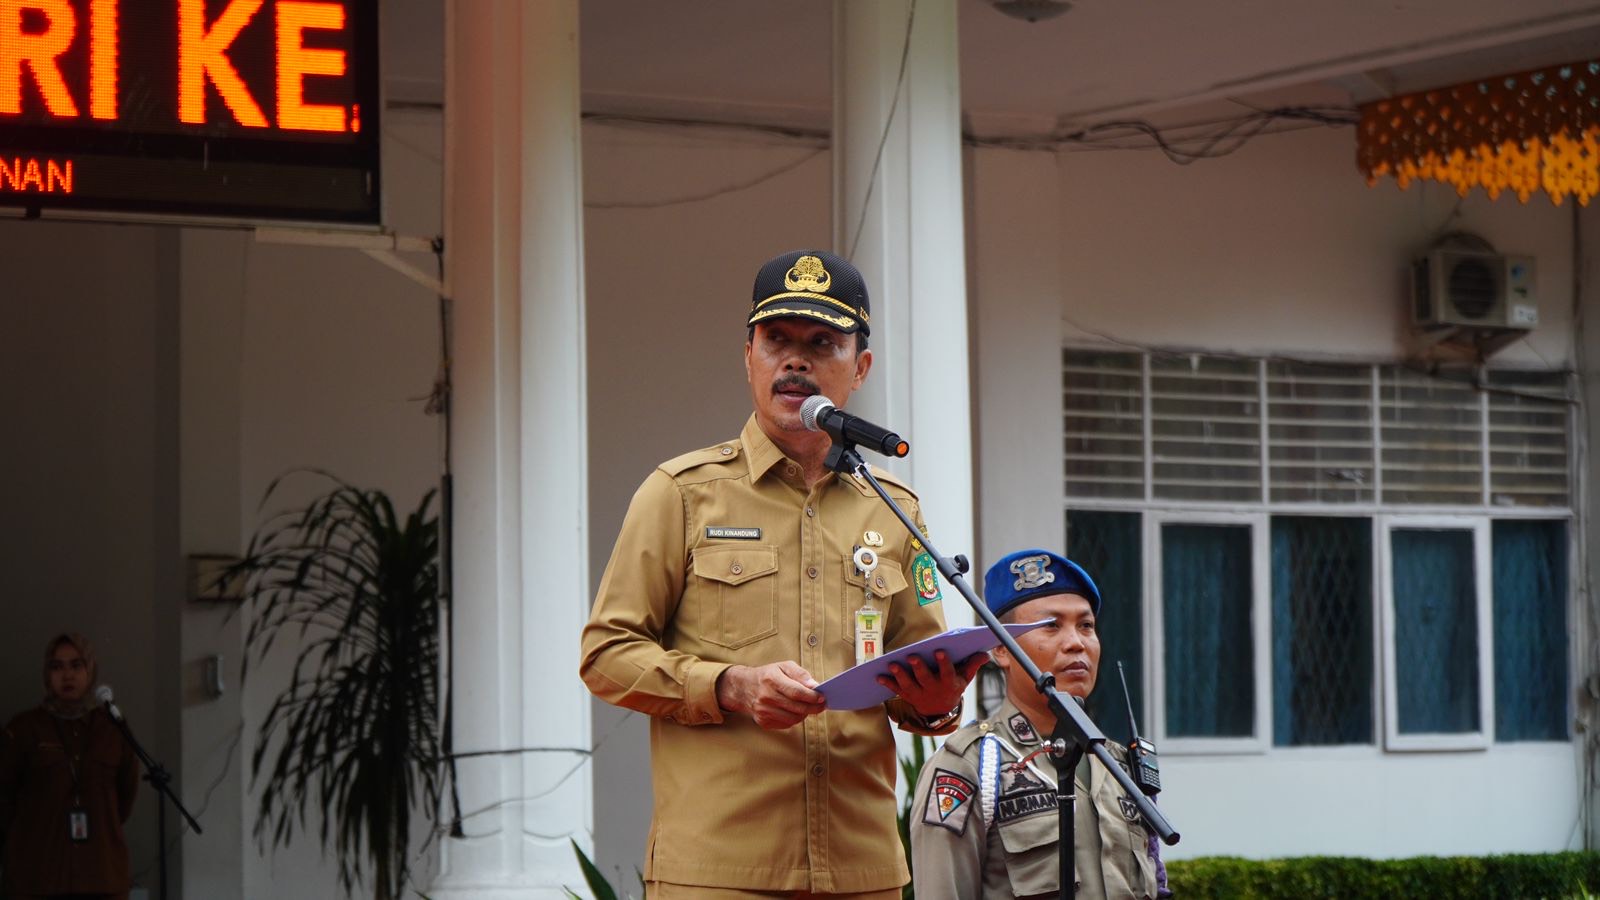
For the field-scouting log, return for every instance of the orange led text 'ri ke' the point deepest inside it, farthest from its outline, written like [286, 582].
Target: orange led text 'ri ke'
[34, 34]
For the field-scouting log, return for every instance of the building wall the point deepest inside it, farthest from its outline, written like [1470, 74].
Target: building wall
[162, 377]
[88, 474]
[1279, 249]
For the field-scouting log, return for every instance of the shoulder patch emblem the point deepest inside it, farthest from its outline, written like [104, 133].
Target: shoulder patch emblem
[949, 801]
[1022, 728]
[924, 576]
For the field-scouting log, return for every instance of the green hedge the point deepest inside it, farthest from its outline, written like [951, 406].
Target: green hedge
[1553, 875]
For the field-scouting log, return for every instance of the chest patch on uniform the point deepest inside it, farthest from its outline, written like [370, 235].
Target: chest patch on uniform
[1130, 810]
[1022, 728]
[732, 533]
[949, 801]
[926, 579]
[1023, 796]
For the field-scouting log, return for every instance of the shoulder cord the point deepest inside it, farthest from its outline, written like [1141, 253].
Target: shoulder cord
[989, 768]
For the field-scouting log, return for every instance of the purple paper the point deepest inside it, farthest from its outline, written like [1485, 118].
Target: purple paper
[858, 688]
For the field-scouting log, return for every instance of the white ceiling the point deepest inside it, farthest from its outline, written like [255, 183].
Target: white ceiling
[768, 61]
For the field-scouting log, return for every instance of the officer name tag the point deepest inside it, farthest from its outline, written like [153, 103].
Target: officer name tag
[78, 824]
[726, 532]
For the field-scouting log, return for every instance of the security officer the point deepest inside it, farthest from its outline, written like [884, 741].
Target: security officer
[734, 589]
[984, 823]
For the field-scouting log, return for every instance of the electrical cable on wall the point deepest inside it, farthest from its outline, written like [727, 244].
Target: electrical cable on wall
[711, 194]
[1216, 139]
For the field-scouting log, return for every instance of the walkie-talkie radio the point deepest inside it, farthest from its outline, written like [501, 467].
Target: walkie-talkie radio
[1142, 764]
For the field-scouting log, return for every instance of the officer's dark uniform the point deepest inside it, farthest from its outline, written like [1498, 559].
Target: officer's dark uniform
[984, 823]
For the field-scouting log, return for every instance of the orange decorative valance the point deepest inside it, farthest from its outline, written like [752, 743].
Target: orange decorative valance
[1522, 132]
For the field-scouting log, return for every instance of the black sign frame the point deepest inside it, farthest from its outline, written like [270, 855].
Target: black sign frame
[162, 169]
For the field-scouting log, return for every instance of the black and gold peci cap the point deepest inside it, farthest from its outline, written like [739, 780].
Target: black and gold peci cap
[812, 284]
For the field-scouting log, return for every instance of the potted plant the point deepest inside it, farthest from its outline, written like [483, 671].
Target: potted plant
[354, 734]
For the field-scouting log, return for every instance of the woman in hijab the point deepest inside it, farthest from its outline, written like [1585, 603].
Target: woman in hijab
[67, 780]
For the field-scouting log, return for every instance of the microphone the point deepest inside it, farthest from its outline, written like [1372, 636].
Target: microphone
[102, 695]
[819, 414]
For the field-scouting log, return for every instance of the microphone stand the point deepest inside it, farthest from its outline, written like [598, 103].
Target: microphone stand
[161, 780]
[1075, 733]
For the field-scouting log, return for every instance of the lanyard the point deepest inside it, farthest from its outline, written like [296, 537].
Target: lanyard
[72, 760]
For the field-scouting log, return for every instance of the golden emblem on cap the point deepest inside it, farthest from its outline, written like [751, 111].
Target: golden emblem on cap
[807, 274]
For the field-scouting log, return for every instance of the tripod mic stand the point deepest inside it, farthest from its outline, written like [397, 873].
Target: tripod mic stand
[161, 780]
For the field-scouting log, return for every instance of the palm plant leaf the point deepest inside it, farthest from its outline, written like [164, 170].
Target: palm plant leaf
[598, 883]
[353, 734]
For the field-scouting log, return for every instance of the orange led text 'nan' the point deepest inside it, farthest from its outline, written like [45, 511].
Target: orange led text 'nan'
[33, 176]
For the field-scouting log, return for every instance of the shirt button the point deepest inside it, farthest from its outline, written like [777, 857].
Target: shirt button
[791, 470]
[811, 640]
[811, 572]
[705, 717]
[727, 451]
[736, 568]
[817, 771]
[878, 581]
[810, 511]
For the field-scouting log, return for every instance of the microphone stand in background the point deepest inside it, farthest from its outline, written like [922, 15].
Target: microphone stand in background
[161, 780]
[1075, 733]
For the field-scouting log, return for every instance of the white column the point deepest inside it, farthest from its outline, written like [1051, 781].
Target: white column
[513, 238]
[910, 244]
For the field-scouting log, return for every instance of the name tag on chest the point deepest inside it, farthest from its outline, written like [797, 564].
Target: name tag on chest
[732, 533]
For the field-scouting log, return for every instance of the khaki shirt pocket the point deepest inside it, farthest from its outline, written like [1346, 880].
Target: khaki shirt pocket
[887, 580]
[738, 593]
[1031, 858]
[1140, 869]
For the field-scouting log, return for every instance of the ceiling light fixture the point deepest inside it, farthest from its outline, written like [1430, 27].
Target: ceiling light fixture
[1032, 10]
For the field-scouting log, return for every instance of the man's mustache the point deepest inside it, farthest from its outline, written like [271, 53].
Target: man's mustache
[789, 382]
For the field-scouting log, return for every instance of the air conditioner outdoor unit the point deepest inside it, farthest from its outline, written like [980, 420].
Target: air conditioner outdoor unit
[1474, 289]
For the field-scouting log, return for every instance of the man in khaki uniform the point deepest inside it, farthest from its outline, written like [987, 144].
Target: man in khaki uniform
[732, 592]
[984, 822]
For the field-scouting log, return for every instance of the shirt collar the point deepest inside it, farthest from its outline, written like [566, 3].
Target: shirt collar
[760, 453]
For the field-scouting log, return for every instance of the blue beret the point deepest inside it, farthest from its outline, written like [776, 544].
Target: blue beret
[1021, 576]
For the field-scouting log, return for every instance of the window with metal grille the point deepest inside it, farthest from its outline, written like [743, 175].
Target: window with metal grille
[1205, 428]
[1210, 429]
[1320, 433]
[1528, 438]
[1103, 423]
[1432, 440]
[1327, 464]
[1322, 672]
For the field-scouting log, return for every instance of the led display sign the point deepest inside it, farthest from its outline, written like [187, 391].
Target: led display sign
[242, 109]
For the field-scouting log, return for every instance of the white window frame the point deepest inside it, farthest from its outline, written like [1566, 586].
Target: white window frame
[1260, 631]
[1482, 564]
